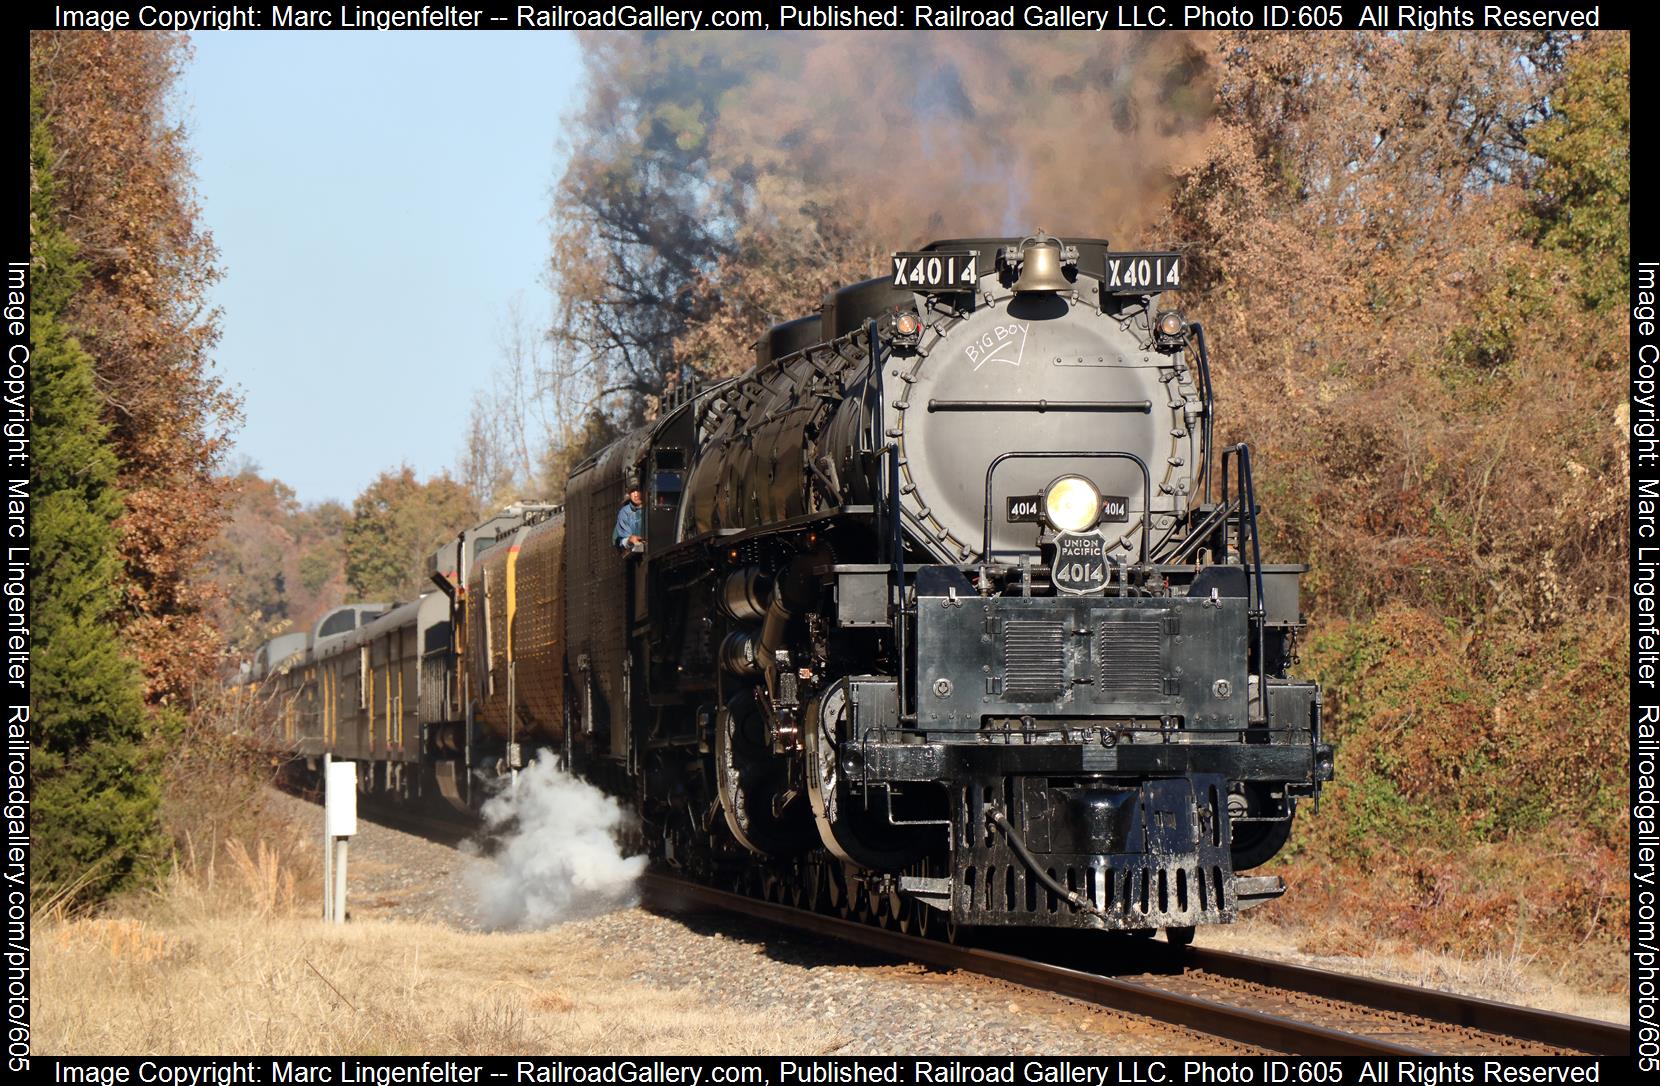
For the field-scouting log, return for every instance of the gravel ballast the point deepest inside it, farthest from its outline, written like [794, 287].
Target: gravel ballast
[866, 1006]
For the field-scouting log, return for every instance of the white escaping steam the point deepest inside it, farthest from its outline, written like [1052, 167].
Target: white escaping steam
[558, 856]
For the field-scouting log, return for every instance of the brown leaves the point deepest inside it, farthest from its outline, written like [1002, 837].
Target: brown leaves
[276, 566]
[1410, 365]
[124, 194]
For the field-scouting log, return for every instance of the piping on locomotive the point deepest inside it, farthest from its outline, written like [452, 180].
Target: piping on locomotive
[948, 609]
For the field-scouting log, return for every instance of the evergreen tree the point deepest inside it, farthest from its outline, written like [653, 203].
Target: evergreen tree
[96, 778]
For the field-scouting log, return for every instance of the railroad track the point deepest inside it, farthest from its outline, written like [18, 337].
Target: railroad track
[1251, 1001]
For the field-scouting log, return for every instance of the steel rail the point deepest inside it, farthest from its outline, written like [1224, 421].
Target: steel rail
[1222, 1020]
[1232, 1023]
[1489, 1016]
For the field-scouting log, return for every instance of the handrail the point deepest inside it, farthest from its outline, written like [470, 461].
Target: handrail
[874, 345]
[1197, 535]
[1210, 397]
[1140, 407]
[1146, 489]
[1248, 507]
[896, 529]
[1247, 529]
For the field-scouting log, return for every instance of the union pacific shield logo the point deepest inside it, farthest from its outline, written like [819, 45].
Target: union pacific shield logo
[1080, 563]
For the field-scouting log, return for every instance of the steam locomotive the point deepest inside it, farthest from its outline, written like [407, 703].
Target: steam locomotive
[948, 612]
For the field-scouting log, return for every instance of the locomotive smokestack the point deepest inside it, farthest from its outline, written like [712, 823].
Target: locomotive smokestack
[1041, 261]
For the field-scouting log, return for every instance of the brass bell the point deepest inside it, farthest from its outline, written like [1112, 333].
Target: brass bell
[1040, 266]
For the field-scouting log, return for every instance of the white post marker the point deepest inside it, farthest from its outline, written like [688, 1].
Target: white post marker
[328, 847]
[339, 824]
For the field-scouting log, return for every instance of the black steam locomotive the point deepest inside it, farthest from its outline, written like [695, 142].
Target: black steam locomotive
[948, 612]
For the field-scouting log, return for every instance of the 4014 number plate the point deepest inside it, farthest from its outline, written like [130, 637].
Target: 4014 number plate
[1080, 563]
[1142, 273]
[946, 270]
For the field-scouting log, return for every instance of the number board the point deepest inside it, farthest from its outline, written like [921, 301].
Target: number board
[948, 269]
[1025, 508]
[1080, 563]
[1142, 273]
[1028, 508]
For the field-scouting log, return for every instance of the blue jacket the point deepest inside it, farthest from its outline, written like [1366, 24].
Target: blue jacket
[628, 523]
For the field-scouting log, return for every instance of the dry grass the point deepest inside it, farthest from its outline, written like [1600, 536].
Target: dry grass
[253, 984]
[1512, 976]
[223, 958]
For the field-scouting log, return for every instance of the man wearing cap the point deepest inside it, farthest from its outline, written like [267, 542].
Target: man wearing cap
[626, 536]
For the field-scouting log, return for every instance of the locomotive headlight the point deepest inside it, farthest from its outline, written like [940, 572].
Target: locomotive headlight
[1072, 504]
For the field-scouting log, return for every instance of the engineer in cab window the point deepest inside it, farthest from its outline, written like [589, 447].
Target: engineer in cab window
[626, 535]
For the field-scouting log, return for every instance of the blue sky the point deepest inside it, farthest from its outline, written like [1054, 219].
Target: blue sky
[378, 200]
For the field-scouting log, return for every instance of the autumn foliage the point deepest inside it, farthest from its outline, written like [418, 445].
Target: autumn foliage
[397, 523]
[125, 198]
[1408, 281]
[277, 565]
